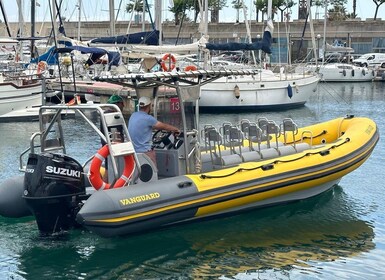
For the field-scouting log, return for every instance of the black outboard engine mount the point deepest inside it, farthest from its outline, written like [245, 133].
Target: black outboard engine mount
[53, 190]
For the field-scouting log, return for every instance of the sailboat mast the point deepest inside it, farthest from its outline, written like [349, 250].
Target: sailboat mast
[312, 32]
[112, 17]
[158, 19]
[269, 9]
[247, 23]
[5, 18]
[33, 6]
[324, 39]
[79, 18]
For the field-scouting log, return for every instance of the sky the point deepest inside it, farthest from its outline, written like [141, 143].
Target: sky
[98, 10]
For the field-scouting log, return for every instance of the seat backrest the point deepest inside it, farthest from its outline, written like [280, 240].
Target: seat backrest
[262, 123]
[235, 139]
[255, 135]
[224, 130]
[245, 124]
[272, 129]
[204, 133]
[289, 126]
[255, 132]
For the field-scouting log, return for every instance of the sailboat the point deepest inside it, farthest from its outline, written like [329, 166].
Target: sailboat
[263, 91]
[332, 63]
[20, 93]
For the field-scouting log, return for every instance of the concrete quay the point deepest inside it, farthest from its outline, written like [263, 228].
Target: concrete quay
[363, 36]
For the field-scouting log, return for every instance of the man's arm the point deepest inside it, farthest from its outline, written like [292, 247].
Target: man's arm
[164, 126]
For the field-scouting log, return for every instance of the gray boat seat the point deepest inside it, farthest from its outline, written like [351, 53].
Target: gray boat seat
[229, 160]
[215, 155]
[286, 150]
[300, 147]
[289, 127]
[262, 124]
[269, 153]
[272, 129]
[254, 135]
[251, 156]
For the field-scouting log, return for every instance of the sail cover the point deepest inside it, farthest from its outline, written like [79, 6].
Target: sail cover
[147, 38]
[263, 44]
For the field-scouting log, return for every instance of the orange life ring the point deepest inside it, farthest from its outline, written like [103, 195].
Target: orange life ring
[95, 177]
[74, 101]
[190, 68]
[170, 59]
[41, 66]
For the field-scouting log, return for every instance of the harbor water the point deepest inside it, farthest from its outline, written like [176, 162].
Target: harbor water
[339, 234]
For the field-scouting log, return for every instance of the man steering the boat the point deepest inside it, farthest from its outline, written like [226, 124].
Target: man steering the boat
[140, 126]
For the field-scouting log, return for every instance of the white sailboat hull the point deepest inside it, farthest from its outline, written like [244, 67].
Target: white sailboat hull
[340, 72]
[15, 98]
[271, 91]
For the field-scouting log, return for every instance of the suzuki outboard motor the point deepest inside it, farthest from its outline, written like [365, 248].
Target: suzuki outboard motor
[53, 190]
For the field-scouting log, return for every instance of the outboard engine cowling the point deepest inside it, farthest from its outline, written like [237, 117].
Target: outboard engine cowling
[53, 189]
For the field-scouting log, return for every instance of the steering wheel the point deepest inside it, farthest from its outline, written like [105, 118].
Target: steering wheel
[161, 136]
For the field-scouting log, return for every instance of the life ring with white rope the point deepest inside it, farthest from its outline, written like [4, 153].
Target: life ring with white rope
[168, 62]
[95, 177]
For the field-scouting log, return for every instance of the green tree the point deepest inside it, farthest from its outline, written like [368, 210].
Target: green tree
[179, 9]
[136, 6]
[338, 11]
[283, 5]
[215, 6]
[354, 14]
[378, 4]
[260, 6]
[237, 4]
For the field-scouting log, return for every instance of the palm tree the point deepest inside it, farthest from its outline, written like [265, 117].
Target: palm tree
[135, 6]
[215, 6]
[337, 13]
[354, 8]
[378, 4]
[179, 10]
[283, 5]
[237, 4]
[260, 6]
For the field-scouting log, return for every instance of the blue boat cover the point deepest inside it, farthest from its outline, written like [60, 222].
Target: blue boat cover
[51, 57]
[147, 38]
[263, 44]
[82, 49]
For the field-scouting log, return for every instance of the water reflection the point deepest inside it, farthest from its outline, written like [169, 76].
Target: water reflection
[349, 92]
[301, 234]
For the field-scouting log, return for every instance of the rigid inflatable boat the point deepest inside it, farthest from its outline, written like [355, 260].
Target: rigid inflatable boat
[203, 172]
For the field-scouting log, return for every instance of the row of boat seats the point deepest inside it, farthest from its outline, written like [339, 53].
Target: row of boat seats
[226, 146]
[267, 128]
